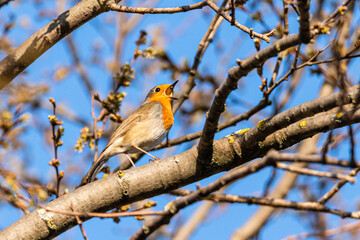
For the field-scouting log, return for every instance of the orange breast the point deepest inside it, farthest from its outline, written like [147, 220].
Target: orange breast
[168, 117]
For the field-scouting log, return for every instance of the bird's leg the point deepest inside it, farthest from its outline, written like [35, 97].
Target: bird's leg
[130, 160]
[142, 150]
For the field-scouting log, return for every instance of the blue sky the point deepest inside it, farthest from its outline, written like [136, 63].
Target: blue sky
[70, 92]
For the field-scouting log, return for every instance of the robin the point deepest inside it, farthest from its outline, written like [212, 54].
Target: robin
[142, 130]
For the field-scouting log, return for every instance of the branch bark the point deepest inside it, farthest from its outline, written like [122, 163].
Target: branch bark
[4, 2]
[24, 55]
[160, 177]
[304, 6]
[230, 84]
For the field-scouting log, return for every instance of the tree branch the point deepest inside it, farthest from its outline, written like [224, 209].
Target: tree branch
[304, 6]
[231, 20]
[159, 177]
[24, 55]
[230, 84]
[275, 202]
[311, 172]
[203, 45]
[170, 10]
[60, 27]
[4, 2]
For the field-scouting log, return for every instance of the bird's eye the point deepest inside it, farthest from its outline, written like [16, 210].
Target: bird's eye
[157, 90]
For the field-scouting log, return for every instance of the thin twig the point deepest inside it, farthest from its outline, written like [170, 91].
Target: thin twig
[295, 81]
[96, 138]
[352, 145]
[56, 135]
[327, 196]
[175, 206]
[241, 172]
[233, 13]
[104, 215]
[202, 47]
[325, 147]
[237, 24]
[269, 183]
[199, 5]
[307, 158]
[272, 202]
[170, 10]
[294, 67]
[79, 222]
[311, 172]
[281, 55]
[328, 232]
[286, 18]
[309, 63]
[338, 11]
[78, 65]
[304, 30]
[231, 122]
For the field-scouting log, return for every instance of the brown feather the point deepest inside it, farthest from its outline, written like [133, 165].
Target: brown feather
[134, 121]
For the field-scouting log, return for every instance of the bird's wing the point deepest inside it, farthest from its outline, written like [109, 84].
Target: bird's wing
[143, 113]
[139, 115]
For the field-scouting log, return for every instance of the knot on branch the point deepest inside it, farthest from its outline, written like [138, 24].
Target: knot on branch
[109, 4]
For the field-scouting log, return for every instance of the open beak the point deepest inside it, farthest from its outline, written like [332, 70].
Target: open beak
[173, 85]
[170, 90]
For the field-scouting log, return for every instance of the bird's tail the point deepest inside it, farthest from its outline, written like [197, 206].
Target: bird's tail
[94, 170]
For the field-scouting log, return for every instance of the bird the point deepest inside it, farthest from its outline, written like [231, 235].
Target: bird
[141, 131]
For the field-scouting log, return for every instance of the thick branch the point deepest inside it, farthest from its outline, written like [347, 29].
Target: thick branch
[4, 2]
[235, 73]
[24, 55]
[162, 176]
[231, 122]
[234, 175]
[307, 109]
[49, 35]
